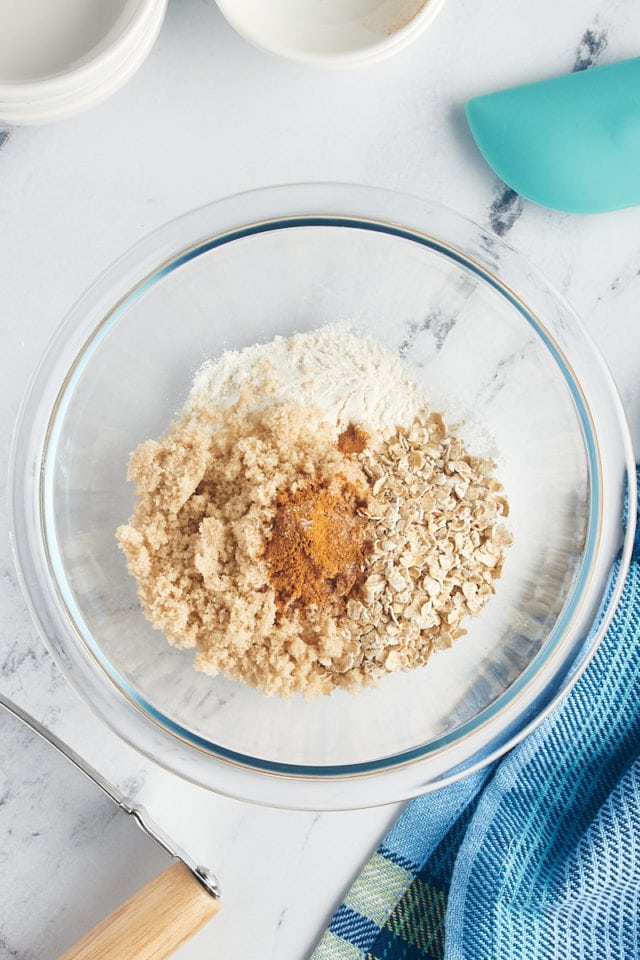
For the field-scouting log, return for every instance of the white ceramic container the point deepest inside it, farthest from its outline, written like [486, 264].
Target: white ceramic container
[63, 56]
[335, 33]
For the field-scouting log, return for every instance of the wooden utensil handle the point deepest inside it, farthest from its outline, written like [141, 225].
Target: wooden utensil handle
[153, 922]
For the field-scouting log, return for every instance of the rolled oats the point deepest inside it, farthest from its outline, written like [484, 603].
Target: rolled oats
[438, 542]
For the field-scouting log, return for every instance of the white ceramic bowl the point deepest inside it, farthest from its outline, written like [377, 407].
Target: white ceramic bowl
[64, 56]
[334, 33]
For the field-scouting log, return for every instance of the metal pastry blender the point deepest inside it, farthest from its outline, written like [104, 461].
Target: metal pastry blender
[169, 909]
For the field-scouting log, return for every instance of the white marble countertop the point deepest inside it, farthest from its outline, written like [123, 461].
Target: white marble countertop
[208, 115]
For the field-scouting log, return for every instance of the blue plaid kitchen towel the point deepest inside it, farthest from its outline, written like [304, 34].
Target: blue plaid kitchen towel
[538, 857]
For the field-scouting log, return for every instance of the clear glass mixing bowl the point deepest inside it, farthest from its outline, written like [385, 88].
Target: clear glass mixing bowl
[496, 350]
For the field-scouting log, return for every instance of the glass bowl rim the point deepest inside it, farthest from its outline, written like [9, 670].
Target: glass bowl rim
[146, 711]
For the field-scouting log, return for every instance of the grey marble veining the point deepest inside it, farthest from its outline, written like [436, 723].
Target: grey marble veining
[206, 116]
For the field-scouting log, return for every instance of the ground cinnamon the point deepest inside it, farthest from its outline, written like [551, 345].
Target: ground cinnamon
[353, 439]
[318, 544]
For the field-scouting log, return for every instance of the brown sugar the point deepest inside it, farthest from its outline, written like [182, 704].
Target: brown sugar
[318, 545]
[207, 497]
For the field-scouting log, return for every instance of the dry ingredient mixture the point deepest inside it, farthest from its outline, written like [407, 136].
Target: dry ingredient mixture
[309, 523]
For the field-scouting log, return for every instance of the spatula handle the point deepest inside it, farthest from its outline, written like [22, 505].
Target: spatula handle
[153, 922]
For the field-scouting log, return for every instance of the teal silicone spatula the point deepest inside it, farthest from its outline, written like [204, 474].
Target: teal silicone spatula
[571, 143]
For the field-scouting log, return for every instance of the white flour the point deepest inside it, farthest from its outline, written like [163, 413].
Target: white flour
[347, 377]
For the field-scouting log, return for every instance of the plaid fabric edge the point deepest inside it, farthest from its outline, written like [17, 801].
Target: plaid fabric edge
[357, 923]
